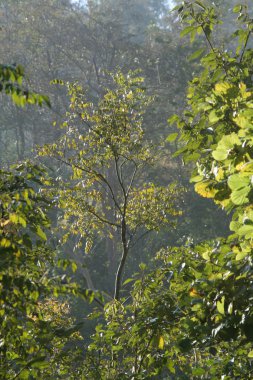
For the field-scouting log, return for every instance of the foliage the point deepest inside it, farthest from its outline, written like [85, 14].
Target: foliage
[30, 342]
[11, 80]
[36, 328]
[108, 154]
[179, 323]
[216, 135]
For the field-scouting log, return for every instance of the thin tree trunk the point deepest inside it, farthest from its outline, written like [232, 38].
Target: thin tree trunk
[122, 261]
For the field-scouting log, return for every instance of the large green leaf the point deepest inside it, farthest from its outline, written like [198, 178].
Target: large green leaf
[237, 182]
[240, 197]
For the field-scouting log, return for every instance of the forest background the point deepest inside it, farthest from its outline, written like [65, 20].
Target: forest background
[113, 265]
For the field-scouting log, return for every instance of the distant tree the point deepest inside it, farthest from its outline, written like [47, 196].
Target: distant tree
[108, 156]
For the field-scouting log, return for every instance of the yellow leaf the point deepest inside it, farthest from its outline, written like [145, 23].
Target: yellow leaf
[222, 88]
[224, 203]
[241, 121]
[244, 92]
[203, 188]
[14, 218]
[206, 255]
[194, 293]
[242, 87]
[161, 342]
[220, 174]
[250, 354]
[5, 243]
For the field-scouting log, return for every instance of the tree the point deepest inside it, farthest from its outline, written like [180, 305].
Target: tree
[108, 156]
[31, 317]
[216, 131]
[35, 325]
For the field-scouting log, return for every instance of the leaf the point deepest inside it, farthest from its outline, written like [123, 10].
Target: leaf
[13, 218]
[242, 121]
[204, 189]
[196, 178]
[222, 88]
[170, 366]
[22, 221]
[193, 292]
[172, 137]
[206, 255]
[240, 197]
[40, 362]
[221, 305]
[214, 117]
[200, 4]
[173, 119]
[241, 255]
[250, 354]
[161, 342]
[246, 230]
[237, 8]
[187, 30]
[73, 266]
[196, 54]
[234, 225]
[127, 281]
[198, 371]
[41, 233]
[237, 182]
[225, 145]
[220, 154]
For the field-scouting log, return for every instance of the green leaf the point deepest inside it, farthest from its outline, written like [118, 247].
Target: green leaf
[73, 266]
[41, 233]
[198, 371]
[221, 305]
[234, 225]
[237, 182]
[196, 178]
[240, 197]
[172, 137]
[241, 255]
[40, 363]
[196, 54]
[200, 4]
[187, 30]
[127, 281]
[220, 154]
[214, 117]
[246, 230]
[237, 8]
[171, 366]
